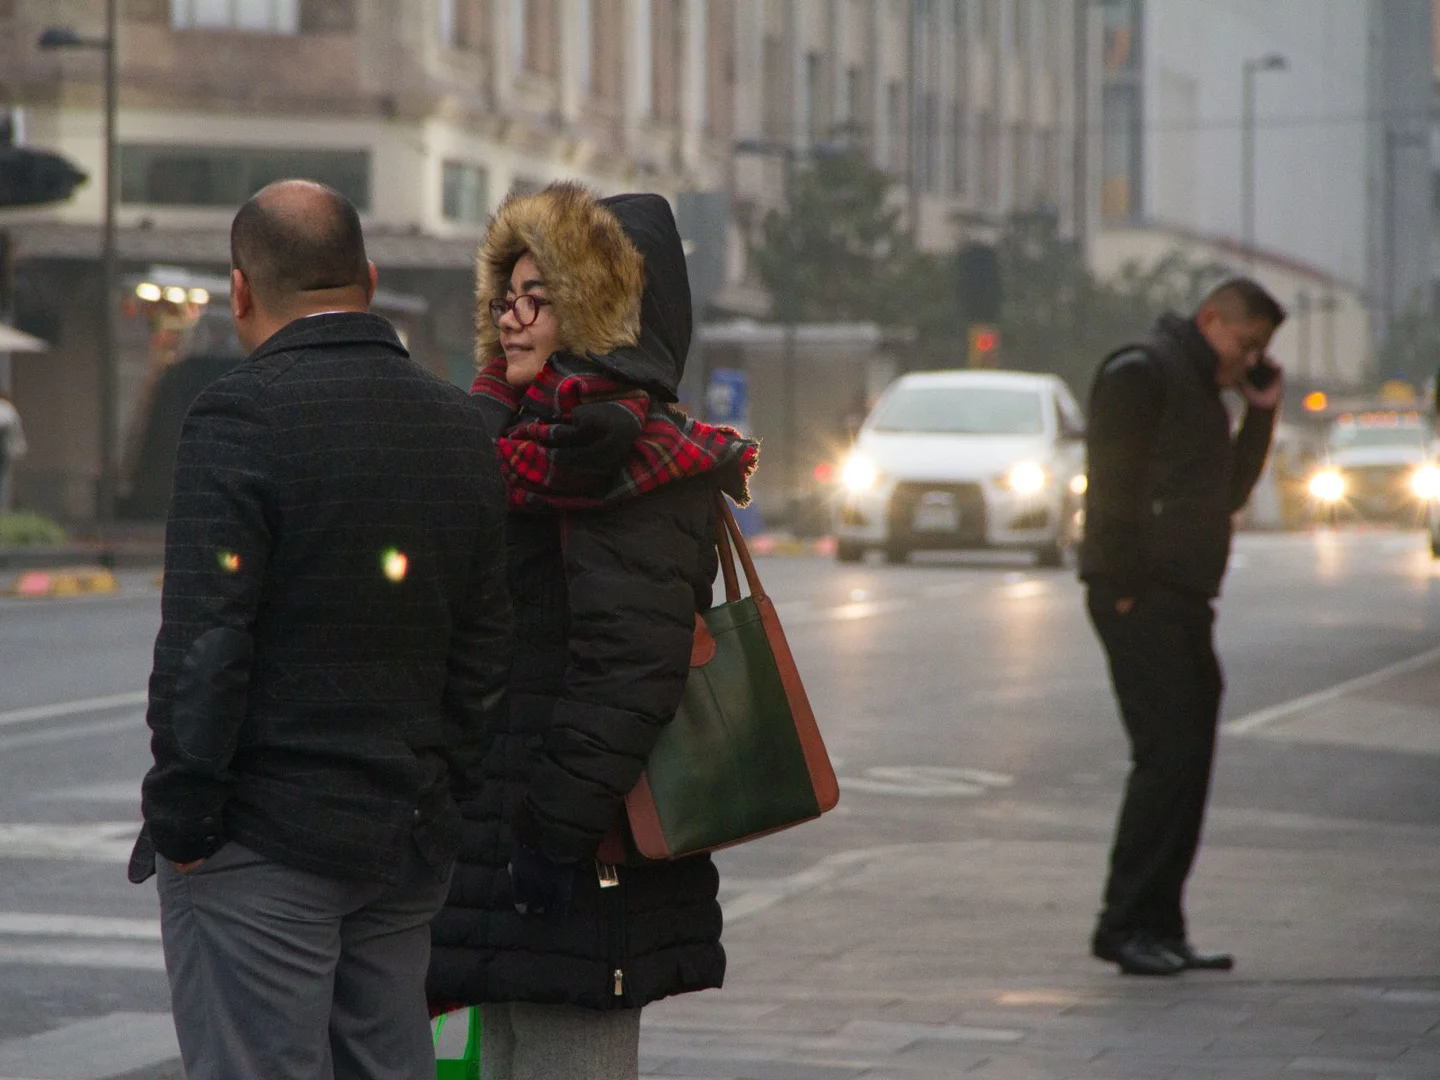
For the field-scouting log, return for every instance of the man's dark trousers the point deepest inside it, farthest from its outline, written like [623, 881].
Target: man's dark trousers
[1168, 683]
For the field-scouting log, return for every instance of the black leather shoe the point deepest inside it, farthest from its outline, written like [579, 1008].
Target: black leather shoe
[1195, 961]
[1137, 954]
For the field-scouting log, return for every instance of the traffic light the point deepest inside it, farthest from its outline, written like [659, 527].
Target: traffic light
[35, 177]
[978, 283]
[984, 345]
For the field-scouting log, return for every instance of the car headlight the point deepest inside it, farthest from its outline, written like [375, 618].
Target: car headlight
[859, 474]
[1328, 486]
[1027, 478]
[1425, 482]
[1079, 484]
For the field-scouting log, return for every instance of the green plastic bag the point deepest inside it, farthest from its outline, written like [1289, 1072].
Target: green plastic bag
[467, 1066]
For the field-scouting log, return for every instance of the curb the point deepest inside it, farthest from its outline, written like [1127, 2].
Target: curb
[71, 581]
[772, 544]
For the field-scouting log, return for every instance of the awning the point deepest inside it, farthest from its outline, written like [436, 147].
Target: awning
[12, 340]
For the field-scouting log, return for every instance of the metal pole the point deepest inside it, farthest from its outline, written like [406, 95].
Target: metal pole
[109, 373]
[788, 379]
[1390, 217]
[1247, 162]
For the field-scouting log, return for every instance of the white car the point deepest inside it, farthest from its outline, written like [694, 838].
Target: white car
[954, 460]
[1378, 466]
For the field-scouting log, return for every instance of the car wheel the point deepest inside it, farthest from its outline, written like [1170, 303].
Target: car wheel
[849, 551]
[896, 554]
[1434, 546]
[1050, 555]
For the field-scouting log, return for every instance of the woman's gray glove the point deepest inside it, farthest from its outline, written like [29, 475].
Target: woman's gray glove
[539, 886]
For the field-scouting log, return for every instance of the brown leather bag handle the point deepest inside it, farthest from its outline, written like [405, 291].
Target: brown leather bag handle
[730, 542]
[723, 521]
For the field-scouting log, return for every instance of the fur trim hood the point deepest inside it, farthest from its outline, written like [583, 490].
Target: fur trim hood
[616, 268]
[595, 273]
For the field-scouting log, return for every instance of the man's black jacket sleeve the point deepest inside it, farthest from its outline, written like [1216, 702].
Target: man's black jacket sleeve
[1252, 443]
[1126, 404]
[216, 547]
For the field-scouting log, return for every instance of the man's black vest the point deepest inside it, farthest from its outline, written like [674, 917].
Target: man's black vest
[1186, 529]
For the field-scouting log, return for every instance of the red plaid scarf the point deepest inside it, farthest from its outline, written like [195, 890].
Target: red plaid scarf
[579, 439]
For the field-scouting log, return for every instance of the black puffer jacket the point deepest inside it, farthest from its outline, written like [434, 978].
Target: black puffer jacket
[604, 623]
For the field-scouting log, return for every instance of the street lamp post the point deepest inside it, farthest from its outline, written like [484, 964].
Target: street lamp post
[1268, 62]
[65, 38]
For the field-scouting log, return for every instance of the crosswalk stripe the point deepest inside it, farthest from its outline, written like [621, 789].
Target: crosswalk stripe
[103, 841]
[72, 708]
[30, 924]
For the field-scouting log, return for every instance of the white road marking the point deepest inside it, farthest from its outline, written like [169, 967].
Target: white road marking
[30, 924]
[123, 791]
[68, 732]
[123, 956]
[104, 841]
[1254, 721]
[72, 708]
[926, 781]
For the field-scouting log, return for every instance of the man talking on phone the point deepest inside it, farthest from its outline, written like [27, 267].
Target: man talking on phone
[1166, 474]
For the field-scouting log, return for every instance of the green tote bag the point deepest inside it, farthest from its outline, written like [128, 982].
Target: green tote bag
[743, 757]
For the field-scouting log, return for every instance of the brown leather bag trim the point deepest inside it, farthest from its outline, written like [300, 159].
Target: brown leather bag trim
[645, 821]
[703, 649]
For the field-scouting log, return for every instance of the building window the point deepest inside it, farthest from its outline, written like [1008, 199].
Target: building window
[585, 34]
[853, 115]
[958, 160]
[465, 193]
[462, 23]
[538, 31]
[815, 119]
[988, 160]
[605, 69]
[775, 114]
[256, 16]
[669, 56]
[219, 176]
[897, 129]
[645, 59]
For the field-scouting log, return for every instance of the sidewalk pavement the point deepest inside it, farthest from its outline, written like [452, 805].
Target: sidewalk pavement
[925, 961]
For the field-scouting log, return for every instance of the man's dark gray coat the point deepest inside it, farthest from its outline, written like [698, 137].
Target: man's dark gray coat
[335, 624]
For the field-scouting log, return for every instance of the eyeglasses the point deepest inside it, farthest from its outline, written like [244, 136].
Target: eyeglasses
[525, 306]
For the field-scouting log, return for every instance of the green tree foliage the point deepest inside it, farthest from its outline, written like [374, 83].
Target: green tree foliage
[839, 252]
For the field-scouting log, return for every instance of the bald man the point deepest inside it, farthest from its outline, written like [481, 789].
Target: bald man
[333, 640]
[1166, 475]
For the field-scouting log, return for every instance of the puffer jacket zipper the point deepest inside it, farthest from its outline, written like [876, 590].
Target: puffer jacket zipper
[612, 900]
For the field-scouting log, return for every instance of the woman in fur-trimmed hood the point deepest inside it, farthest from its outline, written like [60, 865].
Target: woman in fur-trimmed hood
[583, 324]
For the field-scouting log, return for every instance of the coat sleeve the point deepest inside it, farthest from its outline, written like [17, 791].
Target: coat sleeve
[217, 544]
[1126, 405]
[480, 643]
[632, 576]
[1252, 444]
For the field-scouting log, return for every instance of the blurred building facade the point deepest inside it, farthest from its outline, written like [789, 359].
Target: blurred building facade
[424, 112]
[1342, 180]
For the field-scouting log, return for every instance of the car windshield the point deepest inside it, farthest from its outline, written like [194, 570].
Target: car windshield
[961, 411]
[1348, 436]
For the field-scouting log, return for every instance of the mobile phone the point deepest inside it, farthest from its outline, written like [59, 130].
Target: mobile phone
[1263, 374]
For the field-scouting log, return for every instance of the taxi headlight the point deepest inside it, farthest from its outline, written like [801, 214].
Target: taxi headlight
[859, 474]
[1425, 482]
[1027, 478]
[1079, 484]
[1328, 486]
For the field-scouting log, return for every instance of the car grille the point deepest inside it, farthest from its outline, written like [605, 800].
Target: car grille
[1382, 491]
[967, 500]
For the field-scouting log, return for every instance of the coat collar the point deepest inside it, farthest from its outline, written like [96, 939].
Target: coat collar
[331, 328]
[1192, 343]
